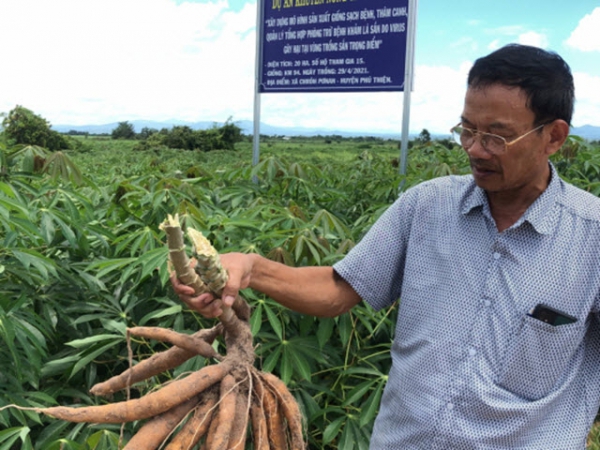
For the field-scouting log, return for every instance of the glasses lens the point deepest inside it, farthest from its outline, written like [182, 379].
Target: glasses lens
[462, 136]
[493, 144]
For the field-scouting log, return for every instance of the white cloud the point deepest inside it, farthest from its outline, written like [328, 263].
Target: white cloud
[587, 103]
[516, 33]
[439, 96]
[534, 39]
[586, 37]
[107, 60]
[494, 45]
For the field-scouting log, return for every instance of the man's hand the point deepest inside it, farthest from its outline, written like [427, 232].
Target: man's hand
[239, 268]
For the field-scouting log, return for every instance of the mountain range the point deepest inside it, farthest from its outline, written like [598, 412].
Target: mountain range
[589, 132]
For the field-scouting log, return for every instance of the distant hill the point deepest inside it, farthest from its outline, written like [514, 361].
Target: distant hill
[247, 127]
[589, 132]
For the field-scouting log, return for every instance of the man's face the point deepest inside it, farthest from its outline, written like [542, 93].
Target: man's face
[502, 110]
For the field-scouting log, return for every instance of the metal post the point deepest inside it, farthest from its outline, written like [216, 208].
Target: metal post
[408, 81]
[257, 74]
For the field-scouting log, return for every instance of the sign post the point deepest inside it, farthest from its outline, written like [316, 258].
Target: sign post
[409, 77]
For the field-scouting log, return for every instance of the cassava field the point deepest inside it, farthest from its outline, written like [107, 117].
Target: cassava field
[83, 259]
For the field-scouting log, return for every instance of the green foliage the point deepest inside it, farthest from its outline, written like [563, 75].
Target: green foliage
[22, 126]
[31, 159]
[424, 137]
[229, 134]
[124, 130]
[79, 263]
[185, 138]
[146, 132]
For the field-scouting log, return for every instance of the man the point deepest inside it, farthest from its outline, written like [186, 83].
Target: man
[497, 340]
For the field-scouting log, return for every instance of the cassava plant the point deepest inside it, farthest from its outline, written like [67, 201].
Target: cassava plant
[214, 406]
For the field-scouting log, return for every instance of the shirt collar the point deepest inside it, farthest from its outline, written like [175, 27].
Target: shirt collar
[541, 212]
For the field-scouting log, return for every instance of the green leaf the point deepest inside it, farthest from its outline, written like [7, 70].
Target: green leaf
[94, 439]
[286, 365]
[274, 321]
[7, 189]
[306, 325]
[79, 343]
[90, 356]
[115, 325]
[10, 436]
[29, 258]
[332, 430]
[345, 328]
[58, 365]
[7, 333]
[296, 351]
[272, 360]
[67, 232]
[47, 227]
[12, 205]
[109, 439]
[26, 230]
[153, 260]
[42, 397]
[361, 436]
[357, 393]
[347, 439]
[112, 265]
[371, 406]
[173, 310]
[256, 320]
[302, 366]
[325, 331]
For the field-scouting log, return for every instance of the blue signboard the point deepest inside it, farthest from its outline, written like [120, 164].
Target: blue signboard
[333, 45]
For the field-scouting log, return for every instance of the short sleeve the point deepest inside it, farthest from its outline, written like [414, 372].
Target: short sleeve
[374, 267]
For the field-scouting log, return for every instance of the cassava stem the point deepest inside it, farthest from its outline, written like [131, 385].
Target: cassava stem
[210, 270]
[178, 256]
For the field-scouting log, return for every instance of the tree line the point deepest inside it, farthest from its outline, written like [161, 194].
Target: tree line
[21, 126]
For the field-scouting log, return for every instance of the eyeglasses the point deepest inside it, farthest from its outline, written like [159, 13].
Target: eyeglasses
[494, 144]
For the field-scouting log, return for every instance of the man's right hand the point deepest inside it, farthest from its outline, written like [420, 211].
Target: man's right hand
[239, 268]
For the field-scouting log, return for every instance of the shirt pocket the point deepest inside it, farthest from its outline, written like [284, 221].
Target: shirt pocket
[537, 355]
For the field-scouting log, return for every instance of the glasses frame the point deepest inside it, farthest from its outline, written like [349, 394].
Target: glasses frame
[481, 134]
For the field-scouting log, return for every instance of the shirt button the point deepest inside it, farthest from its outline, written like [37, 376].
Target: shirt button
[472, 352]
[487, 303]
[450, 406]
[496, 255]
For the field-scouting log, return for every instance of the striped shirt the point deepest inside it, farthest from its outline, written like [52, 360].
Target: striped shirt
[471, 369]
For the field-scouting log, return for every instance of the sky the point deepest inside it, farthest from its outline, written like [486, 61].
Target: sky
[81, 62]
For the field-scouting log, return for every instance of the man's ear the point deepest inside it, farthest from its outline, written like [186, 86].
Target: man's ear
[558, 132]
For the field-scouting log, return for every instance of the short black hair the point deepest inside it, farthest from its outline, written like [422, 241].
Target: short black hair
[544, 76]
